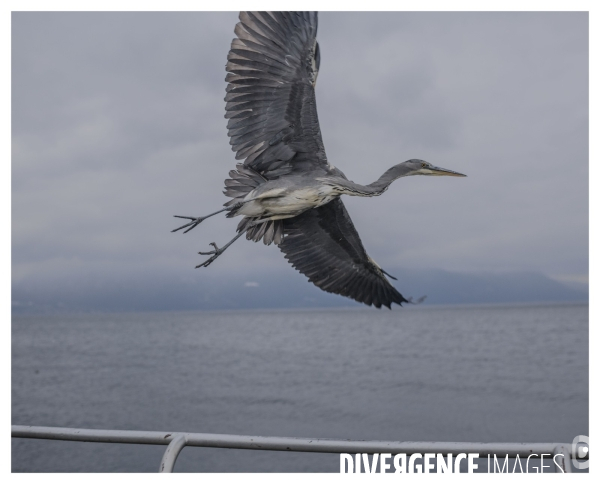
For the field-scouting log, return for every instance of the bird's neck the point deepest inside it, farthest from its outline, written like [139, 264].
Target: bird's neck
[379, 186]
[344, 186]
[385, 180]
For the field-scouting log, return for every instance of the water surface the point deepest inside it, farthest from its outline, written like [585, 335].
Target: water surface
[462, 373]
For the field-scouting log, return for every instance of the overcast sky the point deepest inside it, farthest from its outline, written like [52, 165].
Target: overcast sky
[117, 125]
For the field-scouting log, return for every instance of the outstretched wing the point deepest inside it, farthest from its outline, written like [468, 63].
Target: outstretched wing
[271, 106]
[323, 244]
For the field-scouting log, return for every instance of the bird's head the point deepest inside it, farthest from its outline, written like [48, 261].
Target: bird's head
[420, 167]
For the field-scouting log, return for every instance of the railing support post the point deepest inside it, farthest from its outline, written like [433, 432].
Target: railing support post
[564, 457]
[170, 456]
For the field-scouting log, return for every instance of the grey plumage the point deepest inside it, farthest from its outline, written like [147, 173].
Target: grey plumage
[323, 244]
[285, 189]
[273, 103]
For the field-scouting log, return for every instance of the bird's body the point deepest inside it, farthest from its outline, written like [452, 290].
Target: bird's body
[286, 190]
[287, 197]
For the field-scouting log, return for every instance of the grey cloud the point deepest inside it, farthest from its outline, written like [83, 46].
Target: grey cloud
[117, 124]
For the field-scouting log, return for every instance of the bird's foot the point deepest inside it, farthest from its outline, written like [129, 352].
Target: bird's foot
[195, 221]
[215, 253]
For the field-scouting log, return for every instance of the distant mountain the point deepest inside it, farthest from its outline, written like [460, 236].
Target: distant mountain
[444, 287]
[282, 289]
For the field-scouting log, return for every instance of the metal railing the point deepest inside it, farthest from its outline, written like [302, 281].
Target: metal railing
[176, 441]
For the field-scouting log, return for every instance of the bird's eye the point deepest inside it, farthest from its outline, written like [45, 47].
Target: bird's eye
[423, 165]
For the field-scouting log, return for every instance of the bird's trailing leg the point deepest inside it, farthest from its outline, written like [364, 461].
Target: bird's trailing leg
[195, 221]
[217, 252]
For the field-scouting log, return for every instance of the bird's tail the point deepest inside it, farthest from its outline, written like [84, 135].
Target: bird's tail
[269, 231]
[243, 180]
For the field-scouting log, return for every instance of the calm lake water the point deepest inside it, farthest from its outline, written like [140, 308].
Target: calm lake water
[468, 373]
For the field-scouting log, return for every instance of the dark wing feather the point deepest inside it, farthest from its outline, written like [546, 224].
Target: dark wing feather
[271, 106]
[323, 244]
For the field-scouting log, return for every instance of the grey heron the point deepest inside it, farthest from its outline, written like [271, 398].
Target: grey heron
[285, 189]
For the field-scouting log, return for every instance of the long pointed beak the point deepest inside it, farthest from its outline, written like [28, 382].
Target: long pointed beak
[436, 170]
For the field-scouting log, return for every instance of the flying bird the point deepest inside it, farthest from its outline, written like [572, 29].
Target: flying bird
[285, 189]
